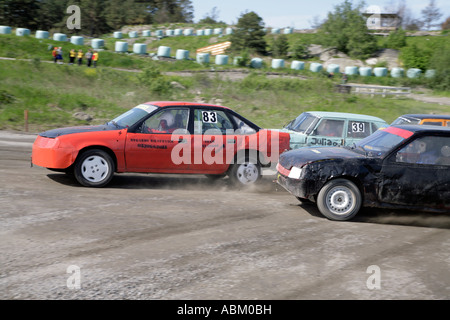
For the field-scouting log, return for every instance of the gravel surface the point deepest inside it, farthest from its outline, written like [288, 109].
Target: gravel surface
[170, 237]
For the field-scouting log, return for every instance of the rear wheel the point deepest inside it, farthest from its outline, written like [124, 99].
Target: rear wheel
[245, 172]
[339, 199]
[94, 168]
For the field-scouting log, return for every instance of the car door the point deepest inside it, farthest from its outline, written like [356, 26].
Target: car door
[328, 132]
[150, 148]
[408, 180]
[213, 134]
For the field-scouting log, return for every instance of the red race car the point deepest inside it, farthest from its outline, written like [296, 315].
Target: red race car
[162, 137]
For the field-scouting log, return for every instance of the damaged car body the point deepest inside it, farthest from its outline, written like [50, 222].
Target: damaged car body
[396, 167]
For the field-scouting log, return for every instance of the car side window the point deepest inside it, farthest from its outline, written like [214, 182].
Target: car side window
[211, 121]
[242, 127]
[358, 129]
[432, 123]
[166, 121]
[330, 128]
[426, 150]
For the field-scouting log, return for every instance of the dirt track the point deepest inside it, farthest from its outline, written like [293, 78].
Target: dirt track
[186, 237]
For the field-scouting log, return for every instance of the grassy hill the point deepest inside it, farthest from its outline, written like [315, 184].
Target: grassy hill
[53, 94]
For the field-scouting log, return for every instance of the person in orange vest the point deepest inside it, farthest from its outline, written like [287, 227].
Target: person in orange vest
[72, 55]
[54, 54]
[80, 57]
[95, 58]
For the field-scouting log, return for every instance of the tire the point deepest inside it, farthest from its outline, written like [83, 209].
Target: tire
[245, 172]
[339, 200]
[94, 168]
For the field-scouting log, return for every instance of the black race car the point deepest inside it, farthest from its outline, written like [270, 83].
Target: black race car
[402, 166]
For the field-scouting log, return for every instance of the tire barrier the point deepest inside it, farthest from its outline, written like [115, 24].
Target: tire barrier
[365, 71]
[40, 34]
[22, 32]
[182, 54]
[140, 48]
[277, 63]
[121, 46]
[59, 37]
[78, 40]
[222, 59]
[97, 43]
[298, 65]
[315, 67]
[202, 57]
[380, 72]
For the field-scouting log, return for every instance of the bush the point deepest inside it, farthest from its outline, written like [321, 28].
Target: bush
[415, 57]
[396, 39]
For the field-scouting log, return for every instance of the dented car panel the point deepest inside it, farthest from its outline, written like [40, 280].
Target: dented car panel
[378, 166]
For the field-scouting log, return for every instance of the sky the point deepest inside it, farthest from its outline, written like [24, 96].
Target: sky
[297, 14]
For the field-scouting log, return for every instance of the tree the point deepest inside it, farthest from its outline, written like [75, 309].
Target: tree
[396, 39]
[211, 17]
[440, 61]
[346, 30]
[249, 34]
[280, 46]
[431, 14]
[19, 13]
[446, 24]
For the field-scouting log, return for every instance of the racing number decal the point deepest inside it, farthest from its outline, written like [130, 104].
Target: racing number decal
[358, 127]
[209, 116]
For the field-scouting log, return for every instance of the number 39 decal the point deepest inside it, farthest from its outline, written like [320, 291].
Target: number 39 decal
[209, 116]
[358, 127]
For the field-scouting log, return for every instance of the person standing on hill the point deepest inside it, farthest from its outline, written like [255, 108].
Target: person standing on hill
[95, 58]
[80, 57]
[59, 55]
[72, 55]
[54, 54]
[88, 56]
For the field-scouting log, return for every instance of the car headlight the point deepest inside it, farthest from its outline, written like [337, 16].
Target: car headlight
[295, 173]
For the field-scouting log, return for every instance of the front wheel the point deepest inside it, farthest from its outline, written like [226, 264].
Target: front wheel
[245, 172]
[94, 168]
[339, 200]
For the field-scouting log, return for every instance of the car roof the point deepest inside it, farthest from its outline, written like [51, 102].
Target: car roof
[423, 128]
[426, 116]
[346, 115]
[163, 104]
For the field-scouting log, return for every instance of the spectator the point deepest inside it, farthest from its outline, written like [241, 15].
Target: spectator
[80, 57]
[72, 55]
[95, 58]
[88, 56]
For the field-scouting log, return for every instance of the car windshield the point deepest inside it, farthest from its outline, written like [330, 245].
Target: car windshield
[381, 142]
[133, 115]
[302, 123]
[406, 120]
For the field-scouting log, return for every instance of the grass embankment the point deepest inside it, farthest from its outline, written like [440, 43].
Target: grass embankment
[52, 94]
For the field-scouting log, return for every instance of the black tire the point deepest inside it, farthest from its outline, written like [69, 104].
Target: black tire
[94, 168]
[339, 200]
[245, 172]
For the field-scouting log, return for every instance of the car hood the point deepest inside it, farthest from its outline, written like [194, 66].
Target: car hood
[300, 157]
[70, 130]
